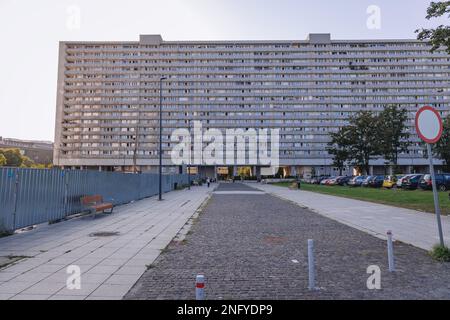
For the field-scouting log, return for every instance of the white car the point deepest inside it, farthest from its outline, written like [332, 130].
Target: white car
[325, 181]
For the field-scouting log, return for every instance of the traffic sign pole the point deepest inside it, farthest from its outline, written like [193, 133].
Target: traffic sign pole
[429, 128]
[437, 209]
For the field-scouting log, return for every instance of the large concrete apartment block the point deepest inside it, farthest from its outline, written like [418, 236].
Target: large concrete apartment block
[108, 94]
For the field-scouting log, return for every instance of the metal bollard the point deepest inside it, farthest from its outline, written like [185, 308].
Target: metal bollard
[390, 248]
[311, 271]
[200, 287]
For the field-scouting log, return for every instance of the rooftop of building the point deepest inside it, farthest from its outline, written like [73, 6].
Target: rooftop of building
[24, 143]
[313, 38]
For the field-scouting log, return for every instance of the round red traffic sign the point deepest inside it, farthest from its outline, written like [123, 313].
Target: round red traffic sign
[428, 124]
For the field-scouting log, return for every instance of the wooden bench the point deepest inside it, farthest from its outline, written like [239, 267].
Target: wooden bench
[95, 204]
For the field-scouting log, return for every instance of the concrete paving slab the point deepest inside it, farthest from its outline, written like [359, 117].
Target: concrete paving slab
[111, 264]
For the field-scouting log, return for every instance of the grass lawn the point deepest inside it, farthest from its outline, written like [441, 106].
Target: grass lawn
[411, 199]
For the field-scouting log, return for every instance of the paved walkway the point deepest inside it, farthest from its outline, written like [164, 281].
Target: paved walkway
[409, 226]
[109, 265]
[252, 245]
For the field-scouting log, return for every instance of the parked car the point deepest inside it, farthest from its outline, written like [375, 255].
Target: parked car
[333, 181]
[442, 182]
[390, 182]
[317, 180]
[356, 181]
[400, 179]
[411, 182]
[365, 183]
[326, 180]
[376, 182]
[343, 180]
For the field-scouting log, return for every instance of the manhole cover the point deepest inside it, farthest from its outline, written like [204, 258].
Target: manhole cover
[104, 234]
[274, 239]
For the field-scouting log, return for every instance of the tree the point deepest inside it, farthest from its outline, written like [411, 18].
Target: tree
[2, 160]
[439, 36]
[393, 137]
[27, 162]
[364, 139]
[359, 140]
[338, 147]
[313, 172]
[13, 157]
[441, 149]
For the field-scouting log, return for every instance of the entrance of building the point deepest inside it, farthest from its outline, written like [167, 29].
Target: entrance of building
[244, 172]
[223, 173]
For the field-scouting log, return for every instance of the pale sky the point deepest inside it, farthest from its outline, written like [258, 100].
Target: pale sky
[30, 31]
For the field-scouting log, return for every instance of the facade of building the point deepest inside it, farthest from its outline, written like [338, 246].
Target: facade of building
[41, 152]
[109, 94]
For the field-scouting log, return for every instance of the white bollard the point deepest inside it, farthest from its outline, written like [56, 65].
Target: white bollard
[390, 248]
[200, 287]
[311, 271]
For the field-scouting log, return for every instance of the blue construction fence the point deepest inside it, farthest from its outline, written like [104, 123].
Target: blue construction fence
[32, 196]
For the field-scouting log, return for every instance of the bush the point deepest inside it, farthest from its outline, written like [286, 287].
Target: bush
[440, 253]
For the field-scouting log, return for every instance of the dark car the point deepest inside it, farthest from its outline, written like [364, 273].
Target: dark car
[366, 181]
[411, 182]
[356, 181]
[343, 180]
[317, 180]
[442, 182]
[376, 182]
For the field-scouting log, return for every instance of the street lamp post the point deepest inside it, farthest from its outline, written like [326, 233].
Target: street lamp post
[190, 151]
[136, 140]
[160, 137]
